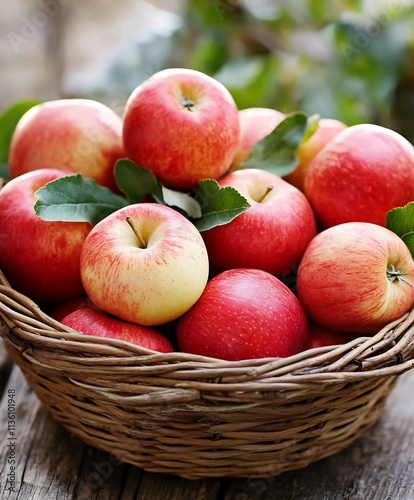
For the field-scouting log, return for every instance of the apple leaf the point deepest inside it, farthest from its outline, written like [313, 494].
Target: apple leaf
[219, 205]
[136, 182]
[311, 128]
[208, 206]
[277, 151]
[183, 202]
[8, 121]
[400, 220]
[4, 171]
[76, 199]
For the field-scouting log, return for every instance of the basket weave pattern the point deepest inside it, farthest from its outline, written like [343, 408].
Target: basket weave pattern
[201, 417]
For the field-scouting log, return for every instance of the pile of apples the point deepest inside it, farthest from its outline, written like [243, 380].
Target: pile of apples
[309, 263]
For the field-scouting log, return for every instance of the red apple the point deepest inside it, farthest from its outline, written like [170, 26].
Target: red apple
[320, 336]
[356, 277]
[40, 258]
[92, 322]
[327, 129]
[359, 175]
[183, 126]
[270, 235]
[60, 311]
[145, 263]
[81, 135]
[255, 125]
[244, 314]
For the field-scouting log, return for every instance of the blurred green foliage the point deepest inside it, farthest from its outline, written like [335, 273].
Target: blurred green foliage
[342, 59]
[8, 121]
[347, 59]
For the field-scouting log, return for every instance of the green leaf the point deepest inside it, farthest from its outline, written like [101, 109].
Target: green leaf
[182, 202]
[136, 182]
[4, 171]
[400, 220]
[208, 55]
[219, 205]
[311, 127]
[253, 79]
[8, 121]
[276, 152]
[76, 199]
[207, 207]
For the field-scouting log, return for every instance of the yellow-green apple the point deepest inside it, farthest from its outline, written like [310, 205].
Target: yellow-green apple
[145, 263]
[40, 258]
[363, 172]
[271, 235]
[183, 125]
[244, 314]
[320, 336]
[92, 322]
[327, 129]
[255, 125]
[81, 135]
[356, 277]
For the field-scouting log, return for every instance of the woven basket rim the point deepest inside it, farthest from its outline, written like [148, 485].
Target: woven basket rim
[386, 353]
[209, 417]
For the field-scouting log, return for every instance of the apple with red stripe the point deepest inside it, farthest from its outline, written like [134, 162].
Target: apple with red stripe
[89, 321]
[80, 135]
[244, 314]
[361, 174]
[319, 336]
[145, 263]
[356, 277]
[183, 126]
[39, 258]
[271, 235]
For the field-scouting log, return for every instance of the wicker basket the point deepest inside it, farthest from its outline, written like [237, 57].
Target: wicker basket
[200, 417]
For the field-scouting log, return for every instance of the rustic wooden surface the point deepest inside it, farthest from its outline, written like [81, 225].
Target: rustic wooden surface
[52, 464]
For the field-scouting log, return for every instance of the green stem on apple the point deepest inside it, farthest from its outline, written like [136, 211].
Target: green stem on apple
[141, 240]
[268, 190]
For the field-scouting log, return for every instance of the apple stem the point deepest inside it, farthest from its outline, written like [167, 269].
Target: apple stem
[136, 232]
[187, 103]
[395, 275]
[268, 189]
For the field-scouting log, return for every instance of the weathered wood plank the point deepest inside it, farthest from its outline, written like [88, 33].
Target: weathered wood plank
[160, 486]
[102, 476]
[5, 367]
[45, 456]
[50, 463]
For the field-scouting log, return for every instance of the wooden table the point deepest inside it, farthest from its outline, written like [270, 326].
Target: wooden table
[52, 464]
